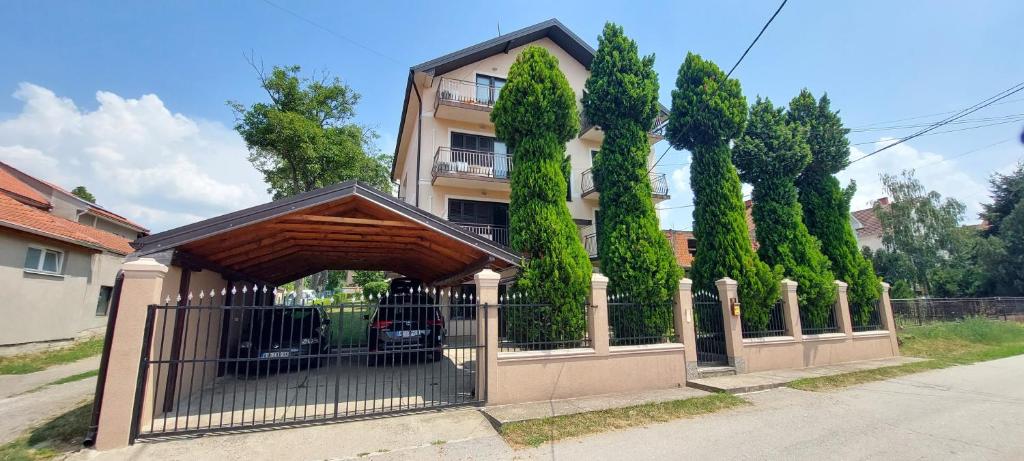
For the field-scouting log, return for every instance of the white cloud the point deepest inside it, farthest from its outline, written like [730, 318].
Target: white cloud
[931, 169]
[139, 159]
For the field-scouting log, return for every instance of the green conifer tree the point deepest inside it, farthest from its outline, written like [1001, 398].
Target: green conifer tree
[708, 111]
[826, 204]
[770, 155]
[622, 98]
[535, 116]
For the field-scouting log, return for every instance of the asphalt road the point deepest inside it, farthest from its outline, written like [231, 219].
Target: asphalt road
[971, 412]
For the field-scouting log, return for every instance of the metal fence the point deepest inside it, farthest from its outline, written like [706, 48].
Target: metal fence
[927, 310]
[526, 326]
[809, 326]
[210, 365]
[773, 325]
[632, 323]
[869, 322]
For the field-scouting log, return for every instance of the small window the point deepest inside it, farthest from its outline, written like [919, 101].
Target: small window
[103, 303]
[44, 260]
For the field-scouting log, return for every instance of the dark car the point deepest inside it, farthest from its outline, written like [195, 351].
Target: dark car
[406, 322]
[283, 340]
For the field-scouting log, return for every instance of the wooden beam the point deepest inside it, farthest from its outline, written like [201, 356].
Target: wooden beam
[473, 268]
[351, 221]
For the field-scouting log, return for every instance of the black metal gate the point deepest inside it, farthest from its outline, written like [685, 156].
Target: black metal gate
[207, 366]
[710, 329]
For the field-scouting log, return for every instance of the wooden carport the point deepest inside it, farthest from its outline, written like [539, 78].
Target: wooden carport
[346, 226]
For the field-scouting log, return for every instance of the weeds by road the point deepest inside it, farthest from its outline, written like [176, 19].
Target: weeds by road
[946, 344]
[39, 361]
[538, 431]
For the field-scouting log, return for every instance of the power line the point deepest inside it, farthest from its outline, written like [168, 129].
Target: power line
[1018, 116]
[946, 131]
[917, 117]
[329, 31]
[981, 105]
[965, 153]
[734, 66]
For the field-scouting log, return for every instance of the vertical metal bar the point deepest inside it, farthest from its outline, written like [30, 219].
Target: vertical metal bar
[159, 369]
[172, 367]
[140, 382]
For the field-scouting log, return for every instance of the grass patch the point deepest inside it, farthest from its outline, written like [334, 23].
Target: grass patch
[348, 327]
[945, 344]
[39, 361]
[60, 436]
[73, 378]
[534, 432]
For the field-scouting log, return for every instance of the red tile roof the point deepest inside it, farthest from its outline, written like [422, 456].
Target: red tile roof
[116, 217]
[17, 215]
[872, 226]
[23, 192]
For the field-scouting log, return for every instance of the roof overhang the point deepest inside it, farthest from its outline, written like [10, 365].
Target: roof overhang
[346, 226]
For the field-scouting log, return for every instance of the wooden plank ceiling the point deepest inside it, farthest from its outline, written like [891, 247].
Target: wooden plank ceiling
[349, 233]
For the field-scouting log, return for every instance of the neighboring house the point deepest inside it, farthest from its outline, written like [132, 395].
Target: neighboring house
[59, 256]
[684, 246]
[447, 159]
[867, 226]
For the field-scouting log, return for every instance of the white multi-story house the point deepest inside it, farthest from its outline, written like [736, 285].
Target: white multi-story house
[447, 159]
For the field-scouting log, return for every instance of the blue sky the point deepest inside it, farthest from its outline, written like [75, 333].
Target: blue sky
[129, 98]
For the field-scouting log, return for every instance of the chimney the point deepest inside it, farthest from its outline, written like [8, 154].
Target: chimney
[883, 201]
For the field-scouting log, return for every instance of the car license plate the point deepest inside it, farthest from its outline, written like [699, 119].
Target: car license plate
[406, 333]
[270, 355]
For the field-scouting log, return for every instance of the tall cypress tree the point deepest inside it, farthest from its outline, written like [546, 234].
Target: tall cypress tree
[622, 97]
[770, 155]
[535, 116]
[707, 112]
[826, 204]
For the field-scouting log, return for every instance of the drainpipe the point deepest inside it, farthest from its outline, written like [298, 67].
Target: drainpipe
[101, 380]
[419, 134]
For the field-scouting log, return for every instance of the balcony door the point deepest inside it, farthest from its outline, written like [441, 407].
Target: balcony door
[486, 219]
[481, 152]
[488, 88]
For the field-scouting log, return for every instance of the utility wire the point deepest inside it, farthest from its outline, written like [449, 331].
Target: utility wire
[734, 66]
[1014, 117]
[329, 31]
[917, 117]
[946, 131]
[981, 105]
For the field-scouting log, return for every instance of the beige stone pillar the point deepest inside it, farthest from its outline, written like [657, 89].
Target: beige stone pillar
[597, 315]
[143, 281]
[685, 329]
[887, 318]
[728, 293]
[791, 309]
[487, 328]
[843, 320]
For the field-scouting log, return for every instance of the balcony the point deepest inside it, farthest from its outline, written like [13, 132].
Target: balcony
[659, 186]
[497, 234]
[452, 167]
[465, 101]
[592, 132]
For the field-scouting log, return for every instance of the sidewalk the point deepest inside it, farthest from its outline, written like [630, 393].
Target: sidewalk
[759, 381]
[25, 403]
[502, 414]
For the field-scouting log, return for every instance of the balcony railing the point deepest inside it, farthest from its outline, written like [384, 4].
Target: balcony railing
[590, 240]
[659, 184]
[497, 234]
[451, 90]
[472, 164]
[658, 126]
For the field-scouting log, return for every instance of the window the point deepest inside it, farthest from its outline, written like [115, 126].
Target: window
[488, 88]
[103, 303]
[474, 212]
[44, 260]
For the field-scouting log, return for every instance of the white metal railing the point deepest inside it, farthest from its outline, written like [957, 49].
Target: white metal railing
[497, 234]
[659, 184]
[465, 92]
[473, 163]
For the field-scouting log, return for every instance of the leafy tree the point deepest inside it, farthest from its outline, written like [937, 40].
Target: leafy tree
[891, 266]
[708, 111]
[535, 116]
[919, 225]
[826, 205]
[961, 273]
[622, 97]
[375, 288]
[1007, 192]
[1008, 254]
[361, 278]
[304, 137]
[84, 194]
[770, 155]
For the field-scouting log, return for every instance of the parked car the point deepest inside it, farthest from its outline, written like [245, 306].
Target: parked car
[406, 321]
[283, 340]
